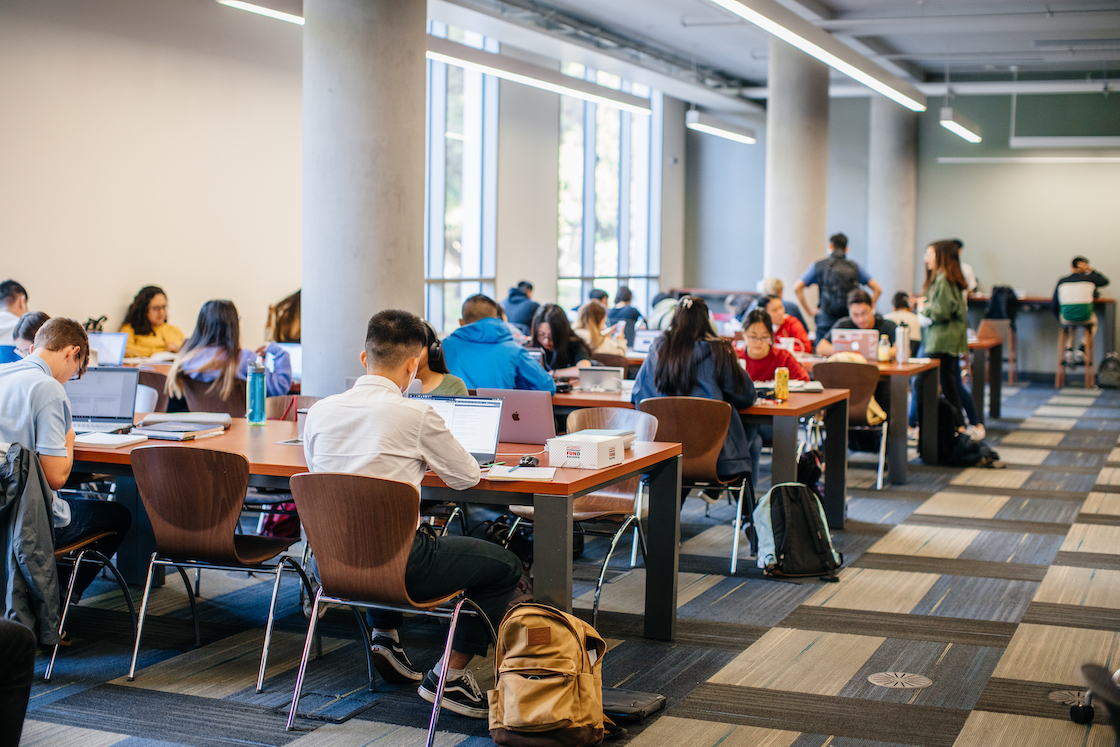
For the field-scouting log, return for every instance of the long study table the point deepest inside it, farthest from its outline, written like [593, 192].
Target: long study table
[272, 464]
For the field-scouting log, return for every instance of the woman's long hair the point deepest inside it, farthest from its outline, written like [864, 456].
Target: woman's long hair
[676, 370]
[563, 340]
[947, 259]
[436, 363]
[137, 316]
[284, 320]
[591, 318]
[218, 327]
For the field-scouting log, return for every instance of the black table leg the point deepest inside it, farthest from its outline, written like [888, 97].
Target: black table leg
[136, 551]
[663, 535]
[1109, 327]
[783, 466]
[836, 463]
[995, 380]
[552, 550]
[979, 380]
[928, 415]
[897, 421]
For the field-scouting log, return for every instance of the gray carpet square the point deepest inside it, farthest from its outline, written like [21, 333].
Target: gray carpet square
[977, 598]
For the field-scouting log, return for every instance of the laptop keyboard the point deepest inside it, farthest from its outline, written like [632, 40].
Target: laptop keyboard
[97, 427]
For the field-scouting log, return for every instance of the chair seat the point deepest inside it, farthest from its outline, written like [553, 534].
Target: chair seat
[254, 550]
[77, 545]
[588, 507]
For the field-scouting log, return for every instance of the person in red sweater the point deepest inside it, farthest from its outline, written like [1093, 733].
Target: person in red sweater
[761, 356]
[784, 324]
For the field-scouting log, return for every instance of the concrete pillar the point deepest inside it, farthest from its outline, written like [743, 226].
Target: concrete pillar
[892, 197]
[364, 96]
[795, 233]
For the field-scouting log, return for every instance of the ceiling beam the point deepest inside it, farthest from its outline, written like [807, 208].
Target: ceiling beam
[973, 88]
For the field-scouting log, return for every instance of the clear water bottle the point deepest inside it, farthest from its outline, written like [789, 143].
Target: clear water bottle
[884, 348]
[255, 392]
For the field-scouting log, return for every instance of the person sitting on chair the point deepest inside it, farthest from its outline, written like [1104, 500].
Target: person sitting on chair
[1073, 303]
[373, 429]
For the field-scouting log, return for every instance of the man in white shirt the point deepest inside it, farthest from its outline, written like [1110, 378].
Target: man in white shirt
[372, 429]
[13, 305]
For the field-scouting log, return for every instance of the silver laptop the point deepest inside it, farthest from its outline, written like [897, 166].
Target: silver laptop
[862, 341]
[537, 354]
[601, 379]
[295, 357]
[103, 400]
[526, 417]
[475, 422]
[110, 347]
[643, 339]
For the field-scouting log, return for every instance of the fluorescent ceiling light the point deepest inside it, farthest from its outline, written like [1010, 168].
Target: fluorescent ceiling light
[695, 120]
[796, 31]
[959, 124]
[507, 68]
[1029, 159]
[263, 11]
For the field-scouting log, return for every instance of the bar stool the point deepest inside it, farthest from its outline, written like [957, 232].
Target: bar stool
[1067, 336]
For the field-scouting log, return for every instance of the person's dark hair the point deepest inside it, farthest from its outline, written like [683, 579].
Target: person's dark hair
[859, 295]
[479, 306]
[1078, 260]
[959, 244]
[623, 295]
[946, 260]
[60, 333]
[218, 327]
[598, 295]
[393, 336]
[838, 241]
[676, 374]
[659, 298]
[901, 300]
[563, 339]
[764, 301]
[137, 316]
[525, 285]
[10, 290]
[737, 304]
[435, 350]
[284, 319]
[759, 316]
[28, 325]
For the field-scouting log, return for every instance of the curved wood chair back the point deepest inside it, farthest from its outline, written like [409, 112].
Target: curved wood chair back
[699, 425]
[282, 408]
[614, 361]
[193, 497]
[199, 399]
[156, 381]
[644, 426]
[860, 379]
[361, 530]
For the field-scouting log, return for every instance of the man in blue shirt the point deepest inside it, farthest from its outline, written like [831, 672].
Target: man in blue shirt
[483, 354]
[835, 277]
[35, 413]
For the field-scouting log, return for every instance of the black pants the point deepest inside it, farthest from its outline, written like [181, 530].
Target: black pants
[438, 566]
[87, 517]
[824, 325]
[17, 652]
[950, 375]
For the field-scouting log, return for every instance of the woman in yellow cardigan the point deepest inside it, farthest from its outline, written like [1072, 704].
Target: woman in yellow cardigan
[147, 327]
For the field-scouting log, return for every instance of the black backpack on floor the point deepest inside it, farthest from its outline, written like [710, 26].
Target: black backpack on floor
[1108, 375]
[956, 449]
[793, 538]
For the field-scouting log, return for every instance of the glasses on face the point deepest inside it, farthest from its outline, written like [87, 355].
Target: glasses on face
[23, 352]
[158, 309]
[758, 340]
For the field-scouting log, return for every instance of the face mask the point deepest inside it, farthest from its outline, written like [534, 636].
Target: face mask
[411, 378]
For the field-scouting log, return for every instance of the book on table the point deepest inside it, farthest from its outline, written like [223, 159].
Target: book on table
[199, 419]
[535, 474]
[171, 431]
[111, 440]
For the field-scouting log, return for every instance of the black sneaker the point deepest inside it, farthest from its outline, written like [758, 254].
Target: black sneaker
[461, 695]
[392, 662]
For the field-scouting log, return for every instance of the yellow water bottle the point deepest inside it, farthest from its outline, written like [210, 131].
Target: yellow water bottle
[781, 384]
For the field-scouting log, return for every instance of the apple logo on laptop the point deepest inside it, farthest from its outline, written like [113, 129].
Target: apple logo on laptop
[516, 417]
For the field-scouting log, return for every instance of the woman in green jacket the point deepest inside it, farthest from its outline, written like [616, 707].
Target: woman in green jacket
[947, 336]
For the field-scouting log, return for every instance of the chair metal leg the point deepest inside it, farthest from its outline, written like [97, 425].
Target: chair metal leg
[198, 582]
[738, 527]
[637, 527]
[882, 456]
[143, 614]
[367, 639]
[443, 671]
[106, 564]
[303, 660]
[65, 609]
[603, 571]
[194, 607]
[269, 624]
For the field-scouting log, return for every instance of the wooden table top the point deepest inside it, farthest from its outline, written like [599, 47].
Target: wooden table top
[891, 368]
[985, 343]
[798, 404]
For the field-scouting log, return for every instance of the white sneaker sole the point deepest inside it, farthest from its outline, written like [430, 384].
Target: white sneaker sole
[392, 670]
[453, 706]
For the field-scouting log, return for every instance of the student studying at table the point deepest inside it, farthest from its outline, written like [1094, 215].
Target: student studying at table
[213, 354]
[785, 325]
[761, 356]
[861, 315]
[26, 329]
[13, 305]
[483, 354]
[146, 325]
[372, 429]
[552, 333]
[592, 316]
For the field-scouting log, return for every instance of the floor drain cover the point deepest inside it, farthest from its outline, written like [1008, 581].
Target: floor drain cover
[1067, 697]
[902, 680]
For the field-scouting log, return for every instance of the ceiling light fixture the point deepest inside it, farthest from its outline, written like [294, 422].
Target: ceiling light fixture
[960, 125]
[792, 29]
[701, 122]
[507, 68]
[263, 11]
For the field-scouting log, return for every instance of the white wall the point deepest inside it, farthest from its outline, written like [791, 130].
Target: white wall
[149, 143]
[672, 194]
[849, 127]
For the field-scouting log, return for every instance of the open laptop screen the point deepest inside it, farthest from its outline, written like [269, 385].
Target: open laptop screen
[103, 393]
[295, 358]
[110, 347]
[475, 422]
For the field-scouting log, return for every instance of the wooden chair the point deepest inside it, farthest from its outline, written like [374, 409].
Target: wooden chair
[361, 530]
[284, 407]
[200, 399]
[700, 426]
[193, 497]
[74, 555]
[860, 379]
[619, 505]
[1067, 338]
[156, 381]
[614, 361]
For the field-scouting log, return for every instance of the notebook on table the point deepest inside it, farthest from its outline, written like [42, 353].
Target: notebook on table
[475, 422]
[526, 417]
[103, 400]
[110, 347]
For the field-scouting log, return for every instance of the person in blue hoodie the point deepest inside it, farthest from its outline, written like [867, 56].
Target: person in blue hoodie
[690, 360]
[520, 306]
[483, 354]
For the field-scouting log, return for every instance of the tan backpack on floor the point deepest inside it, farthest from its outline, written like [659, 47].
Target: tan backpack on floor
[549, 680]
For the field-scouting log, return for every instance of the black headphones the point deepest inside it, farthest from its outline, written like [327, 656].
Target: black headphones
[435, 347]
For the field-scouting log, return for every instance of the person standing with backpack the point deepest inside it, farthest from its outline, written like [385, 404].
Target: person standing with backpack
[835, 277]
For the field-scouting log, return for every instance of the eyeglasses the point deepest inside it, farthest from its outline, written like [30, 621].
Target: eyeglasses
[752, 338]
[158, 308]
[22, 353]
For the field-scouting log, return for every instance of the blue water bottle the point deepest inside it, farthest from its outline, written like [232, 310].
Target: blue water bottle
[254, 392]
